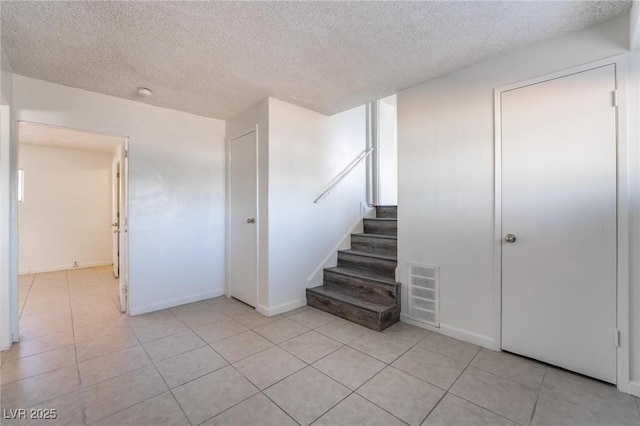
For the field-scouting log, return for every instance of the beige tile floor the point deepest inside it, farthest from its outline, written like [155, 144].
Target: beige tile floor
[218, 362]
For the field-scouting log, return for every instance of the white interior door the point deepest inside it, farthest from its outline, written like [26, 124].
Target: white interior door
[559, 201]
[242, 219]
[115, 215]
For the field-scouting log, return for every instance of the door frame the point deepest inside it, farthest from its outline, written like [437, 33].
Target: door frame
[227, 286]
[124, 207]
[625, 151]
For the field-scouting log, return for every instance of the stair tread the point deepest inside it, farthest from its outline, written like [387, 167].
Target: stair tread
[368, 254]
[382, 219]
[381, 236]
[349, 298]
[360, 274]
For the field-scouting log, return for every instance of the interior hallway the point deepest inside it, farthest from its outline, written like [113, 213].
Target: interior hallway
[218, 362]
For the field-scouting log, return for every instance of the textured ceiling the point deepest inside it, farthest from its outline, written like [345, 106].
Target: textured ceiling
[57, 137]
[218, 58]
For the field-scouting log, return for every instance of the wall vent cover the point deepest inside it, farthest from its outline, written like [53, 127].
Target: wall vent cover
[424, 300]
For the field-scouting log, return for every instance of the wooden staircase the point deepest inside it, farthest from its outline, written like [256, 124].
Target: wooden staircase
[362, 288]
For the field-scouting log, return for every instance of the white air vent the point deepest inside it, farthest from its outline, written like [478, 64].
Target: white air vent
[424, 300]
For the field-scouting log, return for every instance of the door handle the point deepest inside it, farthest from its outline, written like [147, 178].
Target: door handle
[251, 220]
[510, 238]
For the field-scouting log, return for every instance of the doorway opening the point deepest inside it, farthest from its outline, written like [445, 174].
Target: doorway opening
[384, 138]
[72, 223]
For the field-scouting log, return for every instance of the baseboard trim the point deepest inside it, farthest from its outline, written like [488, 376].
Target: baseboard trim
[456, 333]
[174, 302]
[280, 309]
[634, 388]
[40, 270]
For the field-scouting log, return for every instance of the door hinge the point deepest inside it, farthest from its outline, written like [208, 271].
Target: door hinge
[617, 339]
[614, 98]
[126, 153]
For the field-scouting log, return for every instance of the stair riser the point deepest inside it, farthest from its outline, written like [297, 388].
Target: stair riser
[372, 320]
[381, 227]
[370, 265]
[387, 212]
[370, 290]
[387, 247]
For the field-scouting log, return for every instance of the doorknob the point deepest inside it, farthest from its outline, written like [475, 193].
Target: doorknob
[510, 238]
[252, 220]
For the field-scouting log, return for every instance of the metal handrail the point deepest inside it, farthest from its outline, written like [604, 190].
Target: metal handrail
[343, 174]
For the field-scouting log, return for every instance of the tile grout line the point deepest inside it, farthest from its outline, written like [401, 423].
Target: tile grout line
[446, 391]
[75, 347]
[535, 404]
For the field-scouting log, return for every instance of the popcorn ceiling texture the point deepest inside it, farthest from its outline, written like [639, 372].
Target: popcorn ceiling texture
[218, 58]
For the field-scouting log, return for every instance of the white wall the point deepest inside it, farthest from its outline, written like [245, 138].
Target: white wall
[66, 214]
[388, 153]
[307, 150]
[446, 174]
[176, 187]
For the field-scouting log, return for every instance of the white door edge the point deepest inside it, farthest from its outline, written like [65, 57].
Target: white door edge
[625, 194]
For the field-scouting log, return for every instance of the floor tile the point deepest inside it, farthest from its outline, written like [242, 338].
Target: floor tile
[185, 367]
[113, 395]
[88, 319]
[159, 410]
[404, 396]
[120, 339]
[307, 395]
[107, 366]
[241, 346]
[255, 319]
[281, 330]
[310, 346]
[453, 348]
[343, 331]
[69, 411]
[41, 330]
[552, 411]
[511, 367]
[313, 318]
[196, 317]
[593, 395]
[456, 411]
[175, 344]
[98, 329]
[220, 330]
[257, 410]
[502, 396]
[380, 346]
[434, 368]
[158, 329]
[43, 387]
[297, 310]
[230, 306]
[22, 368]
[349, 367]
[209, 395]
[268, 367]
[355, 410]
[39, 345]
[407, 331]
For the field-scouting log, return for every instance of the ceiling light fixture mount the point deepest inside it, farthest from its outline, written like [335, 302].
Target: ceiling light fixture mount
[143, 91]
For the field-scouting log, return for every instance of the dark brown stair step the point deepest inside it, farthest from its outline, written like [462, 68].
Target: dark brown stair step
[381, 226]
[376, 289]
[387, 211]
[368, 263]
[371, 315]
[375, 243]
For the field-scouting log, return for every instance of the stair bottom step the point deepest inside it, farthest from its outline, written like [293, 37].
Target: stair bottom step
[371, 315]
